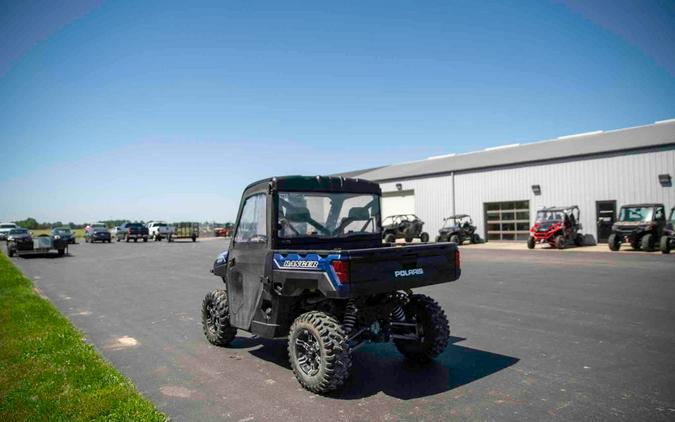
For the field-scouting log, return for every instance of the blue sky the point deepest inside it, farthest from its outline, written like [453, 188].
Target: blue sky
[147, 110]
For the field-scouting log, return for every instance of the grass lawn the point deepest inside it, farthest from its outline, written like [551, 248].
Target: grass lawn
[47, 372]
[78, 232]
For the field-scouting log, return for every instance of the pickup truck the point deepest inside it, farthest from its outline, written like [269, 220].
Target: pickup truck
[131, 231]
[307, 262]
[5, 228]
[158, 230]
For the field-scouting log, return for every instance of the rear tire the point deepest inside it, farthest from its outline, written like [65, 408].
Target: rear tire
[635, 244]
[318, 352]
[579, 240]
[408, 239]
[560, 242]
[647, 242]
[216, 318]
[613, 243]
[455, 239]
[145, 239]
[194, 238]
[432, 326]
[475, 238]
[390, 238]
[424, 237]
[530, 243]
[665, 244]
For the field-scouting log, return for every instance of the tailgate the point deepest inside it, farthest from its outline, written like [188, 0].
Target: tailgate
[402, 267]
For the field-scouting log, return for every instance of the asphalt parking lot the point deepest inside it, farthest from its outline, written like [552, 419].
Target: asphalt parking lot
[536, 335]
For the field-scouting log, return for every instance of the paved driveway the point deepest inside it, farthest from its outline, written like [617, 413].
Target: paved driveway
[536, 336]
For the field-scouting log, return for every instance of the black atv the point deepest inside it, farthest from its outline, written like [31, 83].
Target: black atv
[404, 226]
[457, 229]
[641, 225]
[307, 262]
[668, 235]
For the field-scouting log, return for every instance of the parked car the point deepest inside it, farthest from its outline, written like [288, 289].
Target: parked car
[131, 231]
[457, 229]
[557, 226]
[64, 233]
[641, 225]
[668, 236]
[22, 243]
[321, 277]
[186, 230]
[406, 226]
[5, 228]
[158, 230]
[98, 234]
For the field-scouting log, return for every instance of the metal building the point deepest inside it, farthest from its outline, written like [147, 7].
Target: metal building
[502, 187]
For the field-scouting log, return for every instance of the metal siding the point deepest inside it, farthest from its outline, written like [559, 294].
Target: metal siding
[627, 178]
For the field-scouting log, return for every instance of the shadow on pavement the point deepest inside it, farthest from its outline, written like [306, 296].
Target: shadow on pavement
[381, 368]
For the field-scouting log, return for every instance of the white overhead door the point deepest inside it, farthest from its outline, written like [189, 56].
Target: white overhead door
[398, 202]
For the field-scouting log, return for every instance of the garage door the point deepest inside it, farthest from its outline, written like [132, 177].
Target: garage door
[399, 202]
[507, 220]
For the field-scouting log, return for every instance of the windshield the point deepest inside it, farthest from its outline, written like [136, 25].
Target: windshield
[18, 231]
[160, 224]
[325, 214]
[7, 226]
[545, 216]
[636, 214]
[62, 231]
[100, 229]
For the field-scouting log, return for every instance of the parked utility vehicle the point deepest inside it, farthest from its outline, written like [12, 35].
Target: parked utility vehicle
[668, 236]
[641, 225]
[457, 229]
[557, 226]
[406, 226]
[158, 230]
[307, 262]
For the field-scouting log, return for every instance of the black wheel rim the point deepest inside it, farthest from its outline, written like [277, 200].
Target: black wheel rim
[308, 353]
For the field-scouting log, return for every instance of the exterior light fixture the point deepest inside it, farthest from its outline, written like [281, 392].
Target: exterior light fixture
[665, 180]
[399, 186]
[536, 189]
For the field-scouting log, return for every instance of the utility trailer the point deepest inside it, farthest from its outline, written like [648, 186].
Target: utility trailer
[186, 230]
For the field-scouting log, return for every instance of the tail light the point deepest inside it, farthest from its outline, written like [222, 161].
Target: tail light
[129, 230]
[341, 269]
[457, 259]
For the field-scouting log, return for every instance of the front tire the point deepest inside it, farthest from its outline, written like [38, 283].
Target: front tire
[560, 242]
[432, 325]
[10, 252]
[455, 239]
[665, 244]
[475, 238]
[530, 243]
[390, 238]
[613, 243]
[318, 352]
[424, 237]
[647, 242]
[216, 318]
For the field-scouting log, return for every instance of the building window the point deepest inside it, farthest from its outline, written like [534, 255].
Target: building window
[507, 220]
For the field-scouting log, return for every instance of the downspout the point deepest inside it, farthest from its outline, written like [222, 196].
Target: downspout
[453, 192]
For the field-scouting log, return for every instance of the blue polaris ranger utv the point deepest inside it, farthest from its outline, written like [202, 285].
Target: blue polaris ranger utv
[307, 262]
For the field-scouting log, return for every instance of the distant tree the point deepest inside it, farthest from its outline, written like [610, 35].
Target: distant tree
[29, 223]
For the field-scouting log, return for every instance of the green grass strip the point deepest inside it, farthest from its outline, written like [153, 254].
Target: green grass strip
[47, 371]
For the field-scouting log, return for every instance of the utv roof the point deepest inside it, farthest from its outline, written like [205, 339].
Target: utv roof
[456, 216]
[647, 204]
[317, 184]
[558, 208]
